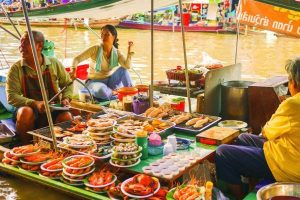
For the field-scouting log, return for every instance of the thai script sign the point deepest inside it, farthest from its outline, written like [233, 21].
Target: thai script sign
[269, 17]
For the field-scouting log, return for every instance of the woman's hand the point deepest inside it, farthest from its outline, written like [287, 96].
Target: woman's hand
[72, 74]
[130, 44]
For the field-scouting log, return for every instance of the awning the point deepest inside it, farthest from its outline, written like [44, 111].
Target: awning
[269, 17]
[289, 4]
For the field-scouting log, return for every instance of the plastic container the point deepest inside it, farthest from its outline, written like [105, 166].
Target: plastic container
[168, 148]
[84, 95]
[81, 71]
[126, 91]
[155, 150]
[140, 107]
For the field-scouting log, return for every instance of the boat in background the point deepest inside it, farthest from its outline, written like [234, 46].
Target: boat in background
[190, 28]
[69, 23]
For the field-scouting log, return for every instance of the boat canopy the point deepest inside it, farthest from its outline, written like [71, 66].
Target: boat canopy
[289, 4]
[97, 9]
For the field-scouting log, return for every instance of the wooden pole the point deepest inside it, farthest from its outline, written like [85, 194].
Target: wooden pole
[40, 76]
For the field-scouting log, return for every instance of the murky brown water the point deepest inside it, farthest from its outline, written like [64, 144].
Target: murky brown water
[261, 57]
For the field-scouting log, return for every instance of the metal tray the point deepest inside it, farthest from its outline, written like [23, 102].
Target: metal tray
[192, 130]
[138, 117]
[6, 134]
[279, 189]
[45, 133]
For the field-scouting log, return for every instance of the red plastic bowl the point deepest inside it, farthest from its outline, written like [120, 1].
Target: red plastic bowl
[126, 91]
[142, 88]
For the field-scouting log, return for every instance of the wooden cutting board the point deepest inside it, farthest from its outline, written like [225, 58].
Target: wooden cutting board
[217, 135]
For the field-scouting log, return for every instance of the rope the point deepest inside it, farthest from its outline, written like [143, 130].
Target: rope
[4, 59]
[66, 36]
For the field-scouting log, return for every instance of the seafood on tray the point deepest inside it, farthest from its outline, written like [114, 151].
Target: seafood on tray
[103, 151]
[78, 162]
[191, 120]
[99, 179]
[53, 165]
[101, 123]
[79, 141]
[140, 185]
[126, 147]
[52, 169]
[134, 125]
[59, 132]
[162, 111]
[39, 157]
[189, 191]
[22, 151]
[78, 126]
[10, 159]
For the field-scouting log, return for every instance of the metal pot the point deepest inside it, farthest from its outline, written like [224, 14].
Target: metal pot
[278, 189]
[234, 100]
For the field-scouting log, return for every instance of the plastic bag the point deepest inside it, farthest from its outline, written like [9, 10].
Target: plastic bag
[209, 63]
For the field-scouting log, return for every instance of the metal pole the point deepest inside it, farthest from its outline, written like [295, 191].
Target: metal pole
[237, 33]
[39, 73]
[7, 31]
[8, 17]
[152, 53]
[188, 92]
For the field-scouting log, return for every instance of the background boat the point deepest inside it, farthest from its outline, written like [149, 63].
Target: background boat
[100, 9]
[69, 23]
[191, 28]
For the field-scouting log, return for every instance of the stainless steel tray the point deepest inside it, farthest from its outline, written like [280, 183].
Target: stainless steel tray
[192, 130]
[6, 134]
[138, 117]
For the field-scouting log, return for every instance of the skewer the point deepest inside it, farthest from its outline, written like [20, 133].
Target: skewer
[57, 94]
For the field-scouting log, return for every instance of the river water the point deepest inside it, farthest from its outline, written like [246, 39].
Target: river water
[261, 56]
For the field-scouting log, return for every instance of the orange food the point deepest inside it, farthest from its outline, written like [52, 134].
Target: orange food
[149, 128]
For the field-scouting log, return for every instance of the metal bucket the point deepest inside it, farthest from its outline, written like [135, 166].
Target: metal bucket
[288, 190]
[234, 100]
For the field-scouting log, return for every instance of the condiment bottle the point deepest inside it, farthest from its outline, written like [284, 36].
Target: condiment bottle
[208, 190]
[142, 140]
[172, 140]
[168, 148]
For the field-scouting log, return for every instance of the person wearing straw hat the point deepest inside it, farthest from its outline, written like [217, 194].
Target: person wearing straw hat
[24, 92]
[108, 68]
[274, 155]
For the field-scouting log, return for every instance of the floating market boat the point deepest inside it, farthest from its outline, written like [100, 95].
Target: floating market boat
[70, 23]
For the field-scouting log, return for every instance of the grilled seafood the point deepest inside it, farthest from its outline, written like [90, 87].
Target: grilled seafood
[201, 122]
[78, 162]
[193, 121]
[101, 177]
[26, 149]
[141, 185]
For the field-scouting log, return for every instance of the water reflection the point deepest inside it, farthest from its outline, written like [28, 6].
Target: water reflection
[13, 188]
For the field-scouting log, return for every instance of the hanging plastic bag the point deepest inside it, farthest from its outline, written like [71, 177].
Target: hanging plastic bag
[209, 63]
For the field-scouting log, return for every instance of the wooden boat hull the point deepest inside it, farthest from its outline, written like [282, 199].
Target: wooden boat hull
[95, 24]
[144, 26]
